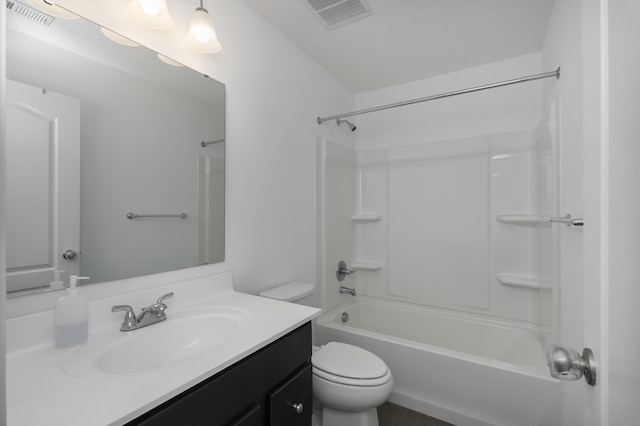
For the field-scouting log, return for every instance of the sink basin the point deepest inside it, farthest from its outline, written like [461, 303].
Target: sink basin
[183, 335]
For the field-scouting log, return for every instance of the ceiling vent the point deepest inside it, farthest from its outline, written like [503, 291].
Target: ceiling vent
[335, 13]
[30, 12]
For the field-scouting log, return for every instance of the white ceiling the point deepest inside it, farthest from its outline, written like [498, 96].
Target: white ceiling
[408, 40]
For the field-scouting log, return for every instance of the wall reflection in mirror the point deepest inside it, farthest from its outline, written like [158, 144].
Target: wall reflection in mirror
[95, 131]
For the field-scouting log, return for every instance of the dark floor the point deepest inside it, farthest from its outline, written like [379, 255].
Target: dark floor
[394, 415]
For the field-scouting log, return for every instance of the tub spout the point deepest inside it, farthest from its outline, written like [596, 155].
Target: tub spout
[347, 290]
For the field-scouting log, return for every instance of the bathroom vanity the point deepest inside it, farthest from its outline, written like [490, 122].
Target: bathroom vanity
[220, 358]
[270, 387]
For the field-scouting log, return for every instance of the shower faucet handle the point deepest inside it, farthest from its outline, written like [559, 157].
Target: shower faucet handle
[343, 271]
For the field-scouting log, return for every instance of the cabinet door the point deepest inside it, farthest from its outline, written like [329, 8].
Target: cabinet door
[291, 403]
[251, 417]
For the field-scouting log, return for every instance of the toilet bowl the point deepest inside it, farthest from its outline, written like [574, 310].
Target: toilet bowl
[349, 382]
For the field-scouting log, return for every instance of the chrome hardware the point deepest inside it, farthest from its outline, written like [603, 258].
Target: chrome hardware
[134, 215]
[130, 322]
[162, 298]
[69, 255]
[342, 270]
[568, 364]
[549, 74]
[567, 220]
[344, 317]
[297, 408]
[149, 315]
[347, 290]
[204, 144]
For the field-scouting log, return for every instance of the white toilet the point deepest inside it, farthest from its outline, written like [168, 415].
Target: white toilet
[348, 382]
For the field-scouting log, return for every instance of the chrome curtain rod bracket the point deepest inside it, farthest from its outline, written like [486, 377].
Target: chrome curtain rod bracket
[134, 215]
[555, 74]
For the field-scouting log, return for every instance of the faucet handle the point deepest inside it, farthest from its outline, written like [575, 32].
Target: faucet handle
[164, 297]
[159, 307]
[130, 321]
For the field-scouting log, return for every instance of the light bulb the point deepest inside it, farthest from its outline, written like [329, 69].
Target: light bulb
[201, 26]
[151, 13]
[202, 34]
[149, 8]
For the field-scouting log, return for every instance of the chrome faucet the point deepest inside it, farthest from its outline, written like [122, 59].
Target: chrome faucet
[347, 290]
[342, 270]
[149, 315]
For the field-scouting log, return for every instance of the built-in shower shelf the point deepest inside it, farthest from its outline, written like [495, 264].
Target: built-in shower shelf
[366, 217]
[522, 219]
[366, 266]
[523, 281]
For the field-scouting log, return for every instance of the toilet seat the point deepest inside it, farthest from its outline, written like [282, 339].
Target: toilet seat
[350, 381]
[349, 365]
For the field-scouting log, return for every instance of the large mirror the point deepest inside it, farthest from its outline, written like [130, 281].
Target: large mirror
[115, 158]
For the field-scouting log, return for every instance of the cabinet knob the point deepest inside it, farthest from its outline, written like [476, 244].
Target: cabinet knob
[298, 408]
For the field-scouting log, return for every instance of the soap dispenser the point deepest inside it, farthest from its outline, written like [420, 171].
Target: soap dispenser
[72, 316]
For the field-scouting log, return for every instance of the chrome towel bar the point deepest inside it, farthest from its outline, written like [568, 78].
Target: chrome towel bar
[134, 215]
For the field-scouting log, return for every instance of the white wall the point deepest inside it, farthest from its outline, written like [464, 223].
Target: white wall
[502, 110]
[274, 93]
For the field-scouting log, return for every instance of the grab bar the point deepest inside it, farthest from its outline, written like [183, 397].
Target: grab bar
[567, 220]
[204, 144]
[134, 215]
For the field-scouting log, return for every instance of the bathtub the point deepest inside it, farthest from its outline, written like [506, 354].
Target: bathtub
[458, 367]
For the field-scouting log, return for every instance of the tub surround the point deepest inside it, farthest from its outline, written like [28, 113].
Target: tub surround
[41, 390]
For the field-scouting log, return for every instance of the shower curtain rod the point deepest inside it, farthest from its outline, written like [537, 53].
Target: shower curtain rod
[555, 74]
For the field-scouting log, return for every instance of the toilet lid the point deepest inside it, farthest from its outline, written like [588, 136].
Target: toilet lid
[349, 361]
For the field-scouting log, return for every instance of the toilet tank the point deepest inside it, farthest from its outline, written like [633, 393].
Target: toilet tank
[299, 293]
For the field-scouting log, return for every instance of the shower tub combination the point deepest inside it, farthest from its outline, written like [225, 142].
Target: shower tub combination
[458, 367]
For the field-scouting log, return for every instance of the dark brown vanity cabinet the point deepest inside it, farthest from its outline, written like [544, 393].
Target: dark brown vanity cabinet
[271, 387]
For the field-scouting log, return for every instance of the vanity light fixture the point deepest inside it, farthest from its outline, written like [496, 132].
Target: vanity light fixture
[118, 38]
[169, 61]
[202, 36]
[153, 14]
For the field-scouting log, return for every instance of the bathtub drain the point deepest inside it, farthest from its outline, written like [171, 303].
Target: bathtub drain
[345, 317]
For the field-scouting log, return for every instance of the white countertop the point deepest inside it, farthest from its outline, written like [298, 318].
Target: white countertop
[41, 392]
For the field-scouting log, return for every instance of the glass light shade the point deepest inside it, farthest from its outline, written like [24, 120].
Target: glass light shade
[169, 61]
[117, 38]
[202, 33]
[50, 8]
[153, 14]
